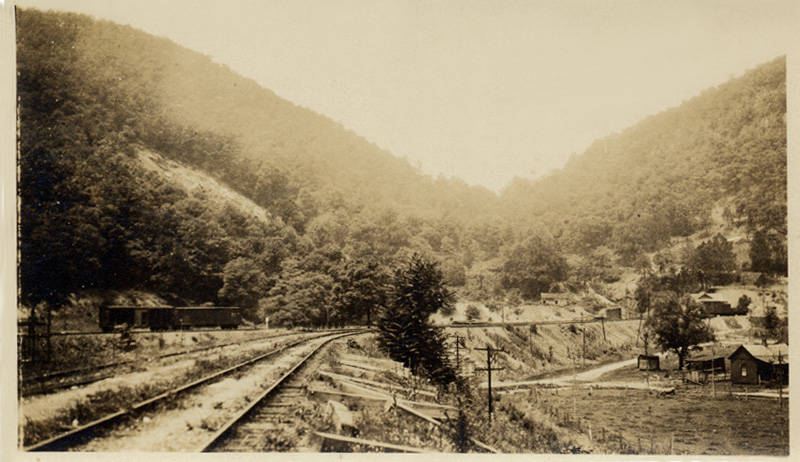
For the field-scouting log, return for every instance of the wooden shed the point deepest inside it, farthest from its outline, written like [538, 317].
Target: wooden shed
[649, 363]
[756, 364]
[613, 313]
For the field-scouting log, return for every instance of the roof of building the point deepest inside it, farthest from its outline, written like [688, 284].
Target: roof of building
[769, 354]
[708, 353]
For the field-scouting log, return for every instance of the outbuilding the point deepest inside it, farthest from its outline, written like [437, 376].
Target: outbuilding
[613, 313]
[648, 362]
[756, 364]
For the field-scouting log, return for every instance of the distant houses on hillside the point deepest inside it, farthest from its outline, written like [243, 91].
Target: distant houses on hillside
[716, 306]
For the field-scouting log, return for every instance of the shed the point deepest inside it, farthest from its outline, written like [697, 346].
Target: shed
[756, 364]
[648, 363]
[614, 313]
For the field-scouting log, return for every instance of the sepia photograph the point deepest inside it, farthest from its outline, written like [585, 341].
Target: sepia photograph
[398, 226]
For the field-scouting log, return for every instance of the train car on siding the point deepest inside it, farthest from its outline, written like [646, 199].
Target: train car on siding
[226, 317]
[159, 318]
[135, 317]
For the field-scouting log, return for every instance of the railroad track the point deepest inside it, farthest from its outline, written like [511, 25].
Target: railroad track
[274, 409]
[38, 384]
[87, 432]
[75, 333]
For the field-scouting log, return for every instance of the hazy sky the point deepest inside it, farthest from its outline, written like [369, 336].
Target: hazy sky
[482, 90]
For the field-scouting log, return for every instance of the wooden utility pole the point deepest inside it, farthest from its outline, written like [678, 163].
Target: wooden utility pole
[489, 356]
[603, 324]
[459, 344]
[583, 330]
[713, 387]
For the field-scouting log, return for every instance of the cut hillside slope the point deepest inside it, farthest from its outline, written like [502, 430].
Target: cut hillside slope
[201, 185]
[532, 352]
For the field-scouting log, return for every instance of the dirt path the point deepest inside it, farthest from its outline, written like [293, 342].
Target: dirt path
[567, 379]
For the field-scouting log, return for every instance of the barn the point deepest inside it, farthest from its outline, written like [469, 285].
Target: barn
[757, 364]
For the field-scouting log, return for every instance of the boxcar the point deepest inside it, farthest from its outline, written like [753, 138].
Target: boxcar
[153, 317]
[207, 316]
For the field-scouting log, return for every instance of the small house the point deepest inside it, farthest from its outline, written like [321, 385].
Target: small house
[756, 364]
[555, 298]
[648, 363]
[714, 306]
[710, 361]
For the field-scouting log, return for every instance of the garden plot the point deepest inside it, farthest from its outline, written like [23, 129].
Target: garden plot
[691, 422]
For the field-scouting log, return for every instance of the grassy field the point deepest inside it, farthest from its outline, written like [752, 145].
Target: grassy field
[692, 422]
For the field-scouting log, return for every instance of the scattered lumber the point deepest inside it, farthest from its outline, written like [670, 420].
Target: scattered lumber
[341, 417]
[376, 384]
[389, 447]
[404, 406]
[361, 366]
[329, 394]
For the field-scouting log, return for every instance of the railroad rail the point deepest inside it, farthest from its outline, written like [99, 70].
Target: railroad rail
[69, 333]
[34, 384]
[86, 432]
[250, 424]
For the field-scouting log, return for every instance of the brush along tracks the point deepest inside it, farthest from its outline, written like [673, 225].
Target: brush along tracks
[261, 426]
[161, 422]
[57, 380]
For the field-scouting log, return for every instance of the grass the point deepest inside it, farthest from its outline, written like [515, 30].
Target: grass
[633, 421]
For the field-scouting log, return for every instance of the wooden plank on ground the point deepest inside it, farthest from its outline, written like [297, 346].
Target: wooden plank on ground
[371, 443]
[361, 366]
[334, 393]
[403, 406]
[376, 384]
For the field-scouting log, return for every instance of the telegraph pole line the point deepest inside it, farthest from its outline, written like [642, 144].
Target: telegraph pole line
[489, 356]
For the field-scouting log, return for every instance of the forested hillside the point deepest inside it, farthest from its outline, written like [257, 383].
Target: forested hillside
[660, 178]
[97, 100]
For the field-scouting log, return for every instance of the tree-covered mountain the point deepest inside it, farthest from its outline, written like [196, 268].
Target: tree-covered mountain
[661, 178]
[290, 214]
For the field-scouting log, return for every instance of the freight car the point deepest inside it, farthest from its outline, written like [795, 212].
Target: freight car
[186, 317]
[168, 317]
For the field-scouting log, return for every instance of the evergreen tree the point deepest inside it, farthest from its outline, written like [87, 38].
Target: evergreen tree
[405, 331]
